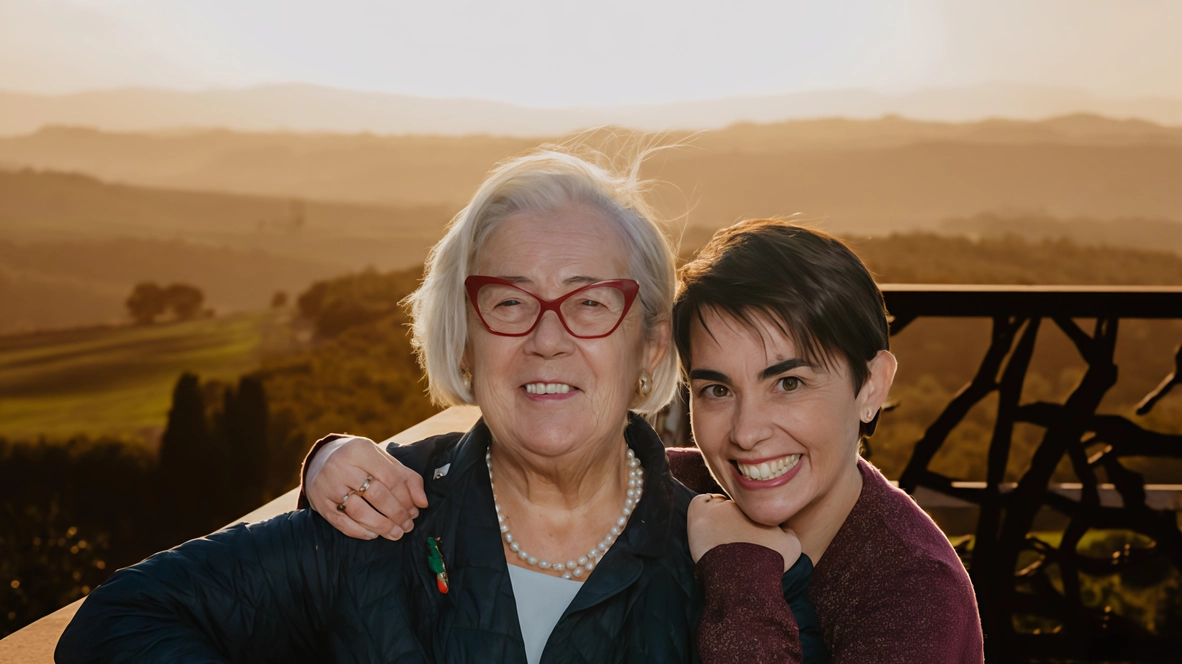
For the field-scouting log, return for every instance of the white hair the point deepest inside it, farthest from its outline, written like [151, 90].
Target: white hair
[539, 183]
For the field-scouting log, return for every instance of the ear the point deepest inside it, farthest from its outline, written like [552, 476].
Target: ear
[657, 344]
[878, 383]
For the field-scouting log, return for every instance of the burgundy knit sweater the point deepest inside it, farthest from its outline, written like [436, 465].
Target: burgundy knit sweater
[888, 589]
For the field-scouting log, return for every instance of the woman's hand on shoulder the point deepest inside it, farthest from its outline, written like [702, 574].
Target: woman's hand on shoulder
[386, 508]
[715, 520]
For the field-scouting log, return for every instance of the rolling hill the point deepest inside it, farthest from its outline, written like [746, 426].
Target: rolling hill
[869, 176]
[72, 247]
[315, 108]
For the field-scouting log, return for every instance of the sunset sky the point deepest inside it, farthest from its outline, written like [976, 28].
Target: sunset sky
[561, 53]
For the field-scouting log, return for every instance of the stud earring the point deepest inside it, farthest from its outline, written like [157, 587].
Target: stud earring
[644, 388]
[467, 378]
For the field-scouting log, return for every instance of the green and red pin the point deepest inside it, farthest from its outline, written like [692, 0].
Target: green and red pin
[435, 560]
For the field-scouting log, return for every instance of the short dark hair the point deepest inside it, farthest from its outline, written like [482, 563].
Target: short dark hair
[807, 283]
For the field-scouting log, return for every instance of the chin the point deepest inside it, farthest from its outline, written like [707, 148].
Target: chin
[767, 510]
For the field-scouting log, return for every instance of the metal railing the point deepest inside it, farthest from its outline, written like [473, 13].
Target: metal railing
[1016, 574]
[1002, 537]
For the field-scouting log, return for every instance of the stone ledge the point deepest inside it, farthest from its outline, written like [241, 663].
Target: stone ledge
[35, 643]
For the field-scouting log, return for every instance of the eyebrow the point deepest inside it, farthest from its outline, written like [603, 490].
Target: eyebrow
[709, 374]
[774, 370]
[787, 365]
[580, 279]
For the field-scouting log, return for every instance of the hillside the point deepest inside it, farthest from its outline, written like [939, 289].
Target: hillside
[316, 108]
[876, 176]
[40, 206]
[118, 381]
[48, 285]
[1137, 233]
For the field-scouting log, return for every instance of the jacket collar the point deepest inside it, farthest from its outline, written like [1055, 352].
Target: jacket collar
[476, 541]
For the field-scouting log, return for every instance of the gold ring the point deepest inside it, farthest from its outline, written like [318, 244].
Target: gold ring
[365, 485]
[341, 507]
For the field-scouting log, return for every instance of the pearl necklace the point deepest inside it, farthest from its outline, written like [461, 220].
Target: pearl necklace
[583, 564]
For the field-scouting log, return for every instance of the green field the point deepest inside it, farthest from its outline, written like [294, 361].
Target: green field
[118, 381]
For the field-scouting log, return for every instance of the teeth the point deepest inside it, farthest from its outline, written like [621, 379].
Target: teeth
[769, 470]
[547, 388]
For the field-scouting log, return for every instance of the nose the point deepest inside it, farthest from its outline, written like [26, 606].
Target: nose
[750, 426]
[550, 338]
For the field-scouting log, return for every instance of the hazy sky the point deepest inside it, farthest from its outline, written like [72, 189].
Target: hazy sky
[558, 52]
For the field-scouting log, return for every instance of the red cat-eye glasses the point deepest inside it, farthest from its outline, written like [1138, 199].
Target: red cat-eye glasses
[588, 312]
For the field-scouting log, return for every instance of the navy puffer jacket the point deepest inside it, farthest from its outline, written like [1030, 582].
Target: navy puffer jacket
[293, 589]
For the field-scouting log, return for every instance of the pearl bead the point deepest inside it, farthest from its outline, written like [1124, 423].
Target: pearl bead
[584, 564]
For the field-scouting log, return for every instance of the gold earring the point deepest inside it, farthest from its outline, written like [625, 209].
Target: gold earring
[467, 378]
[644, 387]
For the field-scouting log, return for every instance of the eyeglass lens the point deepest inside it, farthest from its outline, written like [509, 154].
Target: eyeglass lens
[591, 312]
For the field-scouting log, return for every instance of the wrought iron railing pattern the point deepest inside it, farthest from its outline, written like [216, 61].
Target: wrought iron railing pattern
[1008, 584]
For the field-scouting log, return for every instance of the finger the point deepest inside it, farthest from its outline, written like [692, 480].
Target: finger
[383, 466]
[387, 502]
[352, 528]
[364, 513]
[345, 523]
[417, 494]
[366, 516]
[401, 493]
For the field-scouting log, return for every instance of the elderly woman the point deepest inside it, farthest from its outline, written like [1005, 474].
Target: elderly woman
[554, 531]
[784, 338]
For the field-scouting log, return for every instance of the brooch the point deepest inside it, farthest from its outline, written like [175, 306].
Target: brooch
[435, 560]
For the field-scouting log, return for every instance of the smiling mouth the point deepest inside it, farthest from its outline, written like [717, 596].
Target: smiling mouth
[548, 388]
[767, 470]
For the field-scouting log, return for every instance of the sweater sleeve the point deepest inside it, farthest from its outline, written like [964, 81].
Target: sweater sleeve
[688, 467]
[745, 617]
[247, 593]
[302, 500]
[926, 616]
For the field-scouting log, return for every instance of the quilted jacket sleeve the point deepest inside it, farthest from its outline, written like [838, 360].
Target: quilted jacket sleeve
[244, 594]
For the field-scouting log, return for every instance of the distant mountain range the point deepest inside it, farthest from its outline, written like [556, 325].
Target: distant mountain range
[873, 176]
[313, 108]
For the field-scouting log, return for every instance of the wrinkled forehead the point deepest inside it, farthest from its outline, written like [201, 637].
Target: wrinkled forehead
[571, 244]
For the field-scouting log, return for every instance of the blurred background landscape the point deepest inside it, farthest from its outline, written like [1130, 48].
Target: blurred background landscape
[198, 280]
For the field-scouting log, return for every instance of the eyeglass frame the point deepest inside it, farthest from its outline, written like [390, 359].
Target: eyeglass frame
[629, 287]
